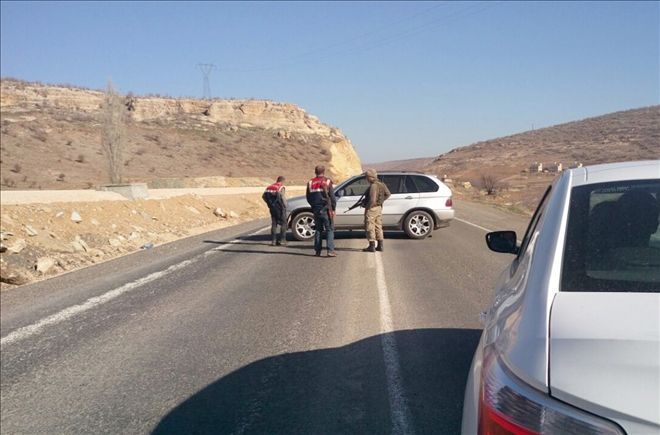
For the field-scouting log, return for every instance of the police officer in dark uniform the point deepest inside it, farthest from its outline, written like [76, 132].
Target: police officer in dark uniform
[275, 198]
[321, 196]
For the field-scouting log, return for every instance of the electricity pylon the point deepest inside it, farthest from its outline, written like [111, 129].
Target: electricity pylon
[206, 69]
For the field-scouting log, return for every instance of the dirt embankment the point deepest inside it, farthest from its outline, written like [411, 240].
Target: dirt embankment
[44, 240]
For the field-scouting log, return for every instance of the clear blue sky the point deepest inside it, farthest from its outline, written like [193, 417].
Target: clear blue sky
[400, 79]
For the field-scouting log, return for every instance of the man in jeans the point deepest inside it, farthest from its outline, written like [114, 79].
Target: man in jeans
[275, 198]
[374, 198]
[321, 196]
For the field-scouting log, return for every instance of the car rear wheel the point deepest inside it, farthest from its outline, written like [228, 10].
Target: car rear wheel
[302, 226]
[418, 224]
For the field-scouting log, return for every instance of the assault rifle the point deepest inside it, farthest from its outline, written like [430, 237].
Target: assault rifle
[359, 203]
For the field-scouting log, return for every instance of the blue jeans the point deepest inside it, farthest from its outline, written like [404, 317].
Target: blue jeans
[322, 223]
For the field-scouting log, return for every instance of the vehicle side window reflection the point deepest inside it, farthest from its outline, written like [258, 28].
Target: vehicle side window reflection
[410, 185]
[613, 238]
[393, 183]
[424, 184]
[357, 187]
[534, 222]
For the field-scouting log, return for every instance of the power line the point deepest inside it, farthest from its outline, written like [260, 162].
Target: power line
[463, 13]
[472, 9]
[312, 52]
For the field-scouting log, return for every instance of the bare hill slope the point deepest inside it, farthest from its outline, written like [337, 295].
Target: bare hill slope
[51, 139]
[401, 165]
[511, 163]
[620, 136]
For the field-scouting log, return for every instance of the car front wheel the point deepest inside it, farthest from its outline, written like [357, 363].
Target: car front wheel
[302, 226]
[418, 224]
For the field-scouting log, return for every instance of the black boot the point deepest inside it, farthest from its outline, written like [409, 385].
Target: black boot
[380, 246]
[274, 242]
[370, 248]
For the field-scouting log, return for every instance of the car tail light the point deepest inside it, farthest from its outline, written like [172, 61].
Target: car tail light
[508, 406]
[448, 203]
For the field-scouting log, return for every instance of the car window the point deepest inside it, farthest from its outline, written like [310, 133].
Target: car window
[613, 238]
[393, 183]
[424, 184]
[410, 186]
[540, 209]
[356, 187]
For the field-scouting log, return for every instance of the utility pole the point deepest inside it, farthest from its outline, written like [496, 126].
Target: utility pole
[206, 69]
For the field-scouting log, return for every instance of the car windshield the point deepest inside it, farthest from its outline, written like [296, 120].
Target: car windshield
[613, 238]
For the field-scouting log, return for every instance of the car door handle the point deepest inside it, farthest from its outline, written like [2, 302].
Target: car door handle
[408, 197]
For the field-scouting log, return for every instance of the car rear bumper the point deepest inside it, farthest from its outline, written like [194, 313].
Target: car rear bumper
[443, 217]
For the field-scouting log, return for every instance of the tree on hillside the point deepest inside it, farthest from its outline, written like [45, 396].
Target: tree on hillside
[489, 184]
[113, 124]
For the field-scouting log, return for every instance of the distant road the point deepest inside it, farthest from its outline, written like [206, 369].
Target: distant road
[222, 333]
[9, 197]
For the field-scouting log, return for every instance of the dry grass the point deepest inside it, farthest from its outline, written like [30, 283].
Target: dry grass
[181, 146]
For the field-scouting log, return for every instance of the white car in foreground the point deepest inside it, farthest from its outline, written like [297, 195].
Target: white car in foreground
[571, 343]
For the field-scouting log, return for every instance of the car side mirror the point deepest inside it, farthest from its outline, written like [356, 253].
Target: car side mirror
[502, 241]
[339, 193]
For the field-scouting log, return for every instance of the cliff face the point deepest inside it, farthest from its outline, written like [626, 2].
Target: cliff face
[166, 136]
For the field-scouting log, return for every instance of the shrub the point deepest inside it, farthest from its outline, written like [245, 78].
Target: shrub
[81, 158]
[40, 135]
[17, 168]
[152, 137]
[489, 184]
[61, 177]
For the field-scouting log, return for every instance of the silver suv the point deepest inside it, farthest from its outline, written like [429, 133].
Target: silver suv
[419, 204]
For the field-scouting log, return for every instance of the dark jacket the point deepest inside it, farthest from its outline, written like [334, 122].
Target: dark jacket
[273, 196]
[320, 194]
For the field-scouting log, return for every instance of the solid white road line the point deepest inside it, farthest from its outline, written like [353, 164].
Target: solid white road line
[67, 313]
[480, 227]
[401, 420]
[474, 225]
[90, 303]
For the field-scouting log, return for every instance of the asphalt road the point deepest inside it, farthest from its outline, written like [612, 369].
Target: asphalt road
[222, 333]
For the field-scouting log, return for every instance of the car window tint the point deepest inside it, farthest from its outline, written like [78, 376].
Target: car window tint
[425, 184]
[534, 221]
[613, 238]
[410, 186]
[393, 183]
[357, 187]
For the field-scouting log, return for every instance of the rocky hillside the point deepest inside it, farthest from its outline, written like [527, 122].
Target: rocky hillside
[51, 139]
[620, 136]
[38, 241]
[512, 162]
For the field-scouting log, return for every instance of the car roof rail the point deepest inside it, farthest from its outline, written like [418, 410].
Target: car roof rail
[393, 171]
